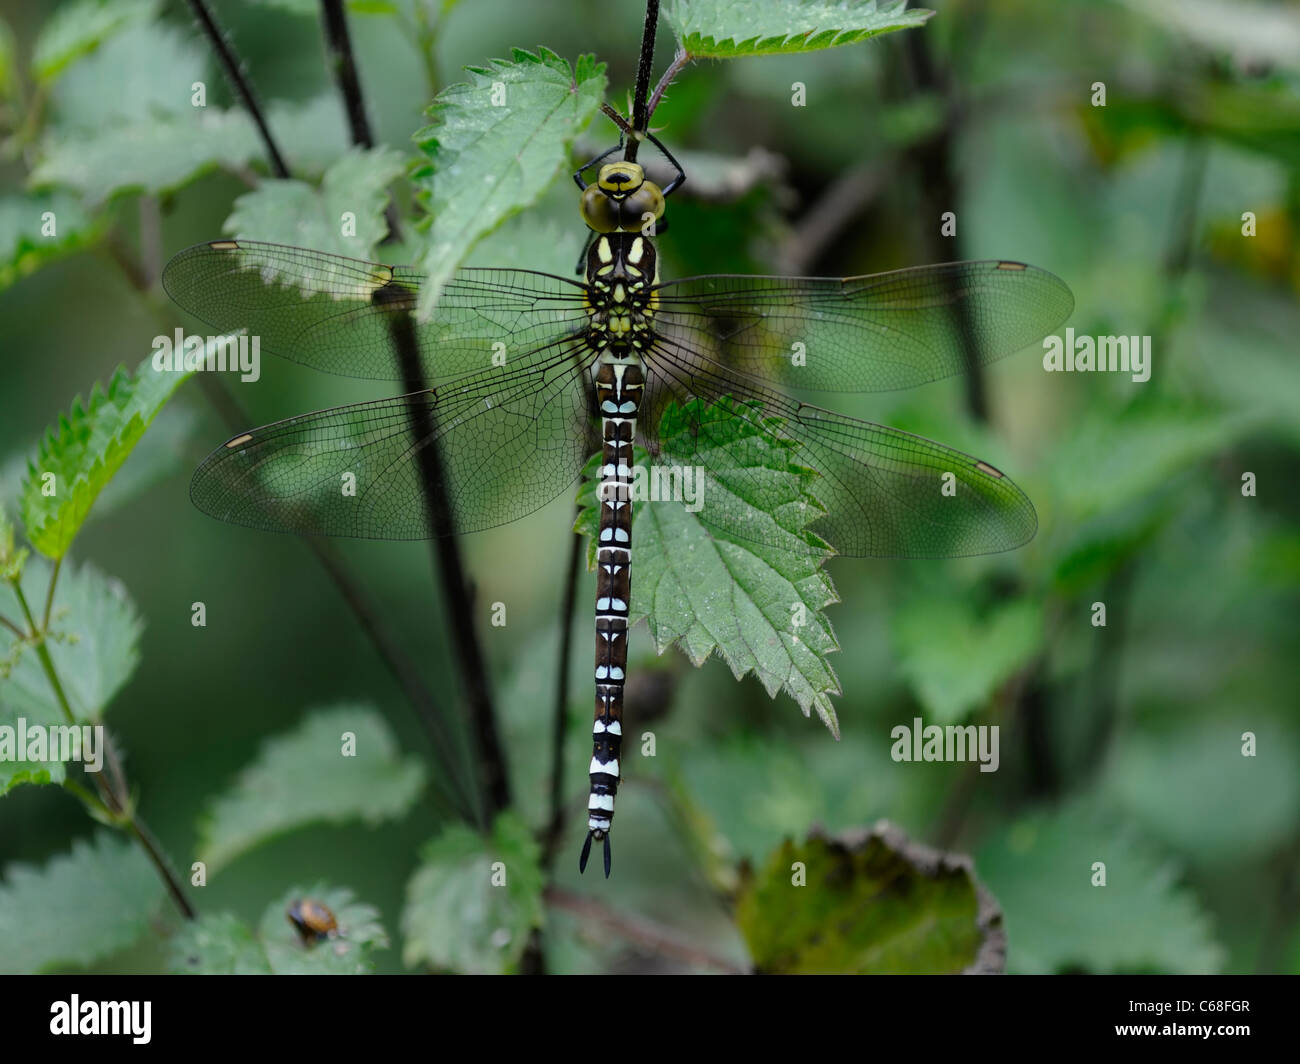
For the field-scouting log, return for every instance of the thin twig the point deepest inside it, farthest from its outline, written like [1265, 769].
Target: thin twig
[151, 847]
[239, 83]
[458, 599]
[49, 594]
[117, 804]
[555, 828]
[678, 64]
[650, 936]
[5, 622]
[339, 42]
[640, 97]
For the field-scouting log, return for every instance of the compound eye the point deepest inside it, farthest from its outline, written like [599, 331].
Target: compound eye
[598, 210]
[647, 200]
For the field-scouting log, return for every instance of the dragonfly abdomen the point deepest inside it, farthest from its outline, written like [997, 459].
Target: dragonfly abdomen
[619, 384]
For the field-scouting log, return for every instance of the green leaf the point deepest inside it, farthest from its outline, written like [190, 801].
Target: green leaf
[294, 212]
[724, 29]
[870, 903]
[82, 906]
[94, 644]
[1041, 868]
[86, 450]
[954, 658]
[24, 247]
[709, 588]
[1137, 453]
[168, 151]
[1193, 789]
[217, 944]
[486, 161]
[461, 915]
[221, 944]
[77, 29]
[156, 157]
[347, 953]
[151, 66]
[303, 777]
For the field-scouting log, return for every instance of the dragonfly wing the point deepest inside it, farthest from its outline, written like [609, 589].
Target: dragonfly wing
[507, 443]
[335, 314]
[886, 493]
[873, 333]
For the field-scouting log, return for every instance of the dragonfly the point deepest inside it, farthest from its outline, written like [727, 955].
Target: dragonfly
[519, 377]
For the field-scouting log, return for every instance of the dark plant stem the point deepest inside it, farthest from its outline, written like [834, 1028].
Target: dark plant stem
[555, 828]
[640, 96]
[339, 42]
[650, 936]
[242, 86]
[145, 837]
[457, 596]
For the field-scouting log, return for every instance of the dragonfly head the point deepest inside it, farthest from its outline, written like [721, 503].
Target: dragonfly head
[621, 199]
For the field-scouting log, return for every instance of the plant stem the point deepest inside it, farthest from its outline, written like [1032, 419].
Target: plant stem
[555, 827]
[647, 934]
[339, 42]
[640, 115]
[117, 805]
[675, 67]
[49, 595]
[241, 85]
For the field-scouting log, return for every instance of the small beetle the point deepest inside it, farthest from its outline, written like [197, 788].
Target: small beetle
[312, 920]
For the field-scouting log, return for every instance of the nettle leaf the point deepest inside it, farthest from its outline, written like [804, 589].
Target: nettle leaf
[1193, 790]
[86, 450]
[724, 29]
[217, 944]
[710, 588]
[82, 906]
[296, 213]
[152, 67]
[74, 30]
[304, 777]
[461, 914]
[871, 902]
[221, 944]
[1138, 453]
[24, 247]
[955, 658]
[496, 143]
[1042, 868]
[155, 157]
[94, 644]
[164, 153]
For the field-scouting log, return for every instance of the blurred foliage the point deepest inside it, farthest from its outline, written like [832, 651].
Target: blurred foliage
[1162, 745]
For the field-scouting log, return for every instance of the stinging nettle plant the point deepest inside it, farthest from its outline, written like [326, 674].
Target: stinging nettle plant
[496, 146]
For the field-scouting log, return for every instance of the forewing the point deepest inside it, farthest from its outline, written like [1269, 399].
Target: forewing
[864, 334]
[334, 313]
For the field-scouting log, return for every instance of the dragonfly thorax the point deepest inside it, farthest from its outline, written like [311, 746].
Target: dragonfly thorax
[622, 270]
